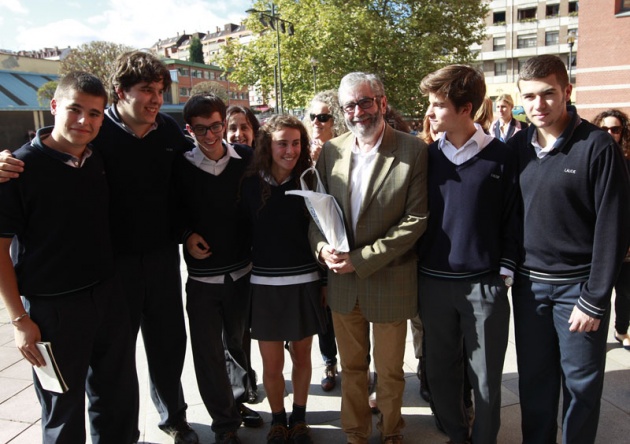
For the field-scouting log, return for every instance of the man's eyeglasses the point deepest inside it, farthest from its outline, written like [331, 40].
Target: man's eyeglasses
[321, 117]
[201, 130]
[613, 129]
[365, 103]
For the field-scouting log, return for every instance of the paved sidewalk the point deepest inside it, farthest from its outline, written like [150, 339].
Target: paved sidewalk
[19, 409]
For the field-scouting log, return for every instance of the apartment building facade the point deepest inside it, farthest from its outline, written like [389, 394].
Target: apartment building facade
[519, 29]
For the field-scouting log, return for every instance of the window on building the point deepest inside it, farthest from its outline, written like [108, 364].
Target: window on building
[526, 41]
[498, 17]
[552, 38]
[182, 71]
[624, 6]
[573, 7]
[527, 14]
[183, 91]
[500, 67]
[552, 10]
[498, 43]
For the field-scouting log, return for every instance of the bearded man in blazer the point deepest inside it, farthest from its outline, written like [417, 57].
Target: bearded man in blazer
[379, 178]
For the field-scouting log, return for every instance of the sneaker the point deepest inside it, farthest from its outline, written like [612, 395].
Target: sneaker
[226, 438]
[181, 433]
[278, 434]
[300, 433]
[329, 380]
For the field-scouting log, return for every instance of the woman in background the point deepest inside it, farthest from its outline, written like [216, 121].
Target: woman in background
[506, 125]
[242, 125]
[618, 126]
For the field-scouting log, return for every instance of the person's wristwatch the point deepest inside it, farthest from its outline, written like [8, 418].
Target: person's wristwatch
[508, 280]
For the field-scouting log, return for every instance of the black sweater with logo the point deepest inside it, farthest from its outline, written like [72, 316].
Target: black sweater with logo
[575, 211]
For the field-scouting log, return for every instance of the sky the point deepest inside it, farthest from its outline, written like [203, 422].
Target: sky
[37, 24]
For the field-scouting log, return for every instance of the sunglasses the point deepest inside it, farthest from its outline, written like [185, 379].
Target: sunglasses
[321, 117]
[612, 129]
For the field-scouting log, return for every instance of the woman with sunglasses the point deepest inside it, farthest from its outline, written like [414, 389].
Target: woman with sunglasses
[324, 120]
[618, 126]
[285, 279]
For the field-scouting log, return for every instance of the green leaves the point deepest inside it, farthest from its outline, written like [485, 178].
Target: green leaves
[401, 41]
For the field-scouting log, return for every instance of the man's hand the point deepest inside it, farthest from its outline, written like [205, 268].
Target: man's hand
[27, 334]
[339, 263]
[197, 247]
[581, 322]
[10, 167]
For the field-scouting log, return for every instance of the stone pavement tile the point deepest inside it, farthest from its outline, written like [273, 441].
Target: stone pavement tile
[7, 338]
[22, 407]
[614, 426]
[617, 387]
[9, 356]
[31, 435]
[21, 370]
[10, 429]
[11, 387]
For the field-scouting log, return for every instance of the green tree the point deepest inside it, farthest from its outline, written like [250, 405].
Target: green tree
[97, 58]
[210, 87]
[46, 92]
[195, 51]
[401, 41]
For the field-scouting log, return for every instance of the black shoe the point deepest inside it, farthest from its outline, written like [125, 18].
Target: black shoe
[249, 416]
[329, 380]
[300, 433]
[181, 433]
[226, 438]
[424, 386]
[278, 434]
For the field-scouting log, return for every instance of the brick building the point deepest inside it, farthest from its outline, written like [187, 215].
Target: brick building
[603, 68]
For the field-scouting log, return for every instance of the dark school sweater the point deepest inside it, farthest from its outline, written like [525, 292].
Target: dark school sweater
[575, 211]
[208, 206]
[140, 175]
[280, 244]
[60, 216]
[473, 225]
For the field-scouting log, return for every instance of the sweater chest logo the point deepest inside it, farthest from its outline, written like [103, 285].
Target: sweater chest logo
[495, 176]
[570, 171]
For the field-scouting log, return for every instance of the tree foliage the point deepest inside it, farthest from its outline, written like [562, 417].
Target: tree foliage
[46, 92]
[210, 87]
[97, 58]
[195, 50]
[401, 41]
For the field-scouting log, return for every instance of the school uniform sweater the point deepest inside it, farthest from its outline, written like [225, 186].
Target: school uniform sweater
[139, 171]
[473, 226]
[575, 211]
[280, 244]
[60, 216]
[209, 207]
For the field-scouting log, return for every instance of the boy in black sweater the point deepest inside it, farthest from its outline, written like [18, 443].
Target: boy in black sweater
[58, 210]
[575, 218]
[217, 253]
[467, 255]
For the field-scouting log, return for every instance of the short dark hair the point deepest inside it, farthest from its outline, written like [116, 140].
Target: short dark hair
[461, 84]
[82, 82]
[542, 66]
[203, 105]
[135, 67]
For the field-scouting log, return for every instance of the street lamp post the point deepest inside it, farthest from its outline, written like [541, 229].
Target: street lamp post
[570, 42]
[270, 18]
[314, 63]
